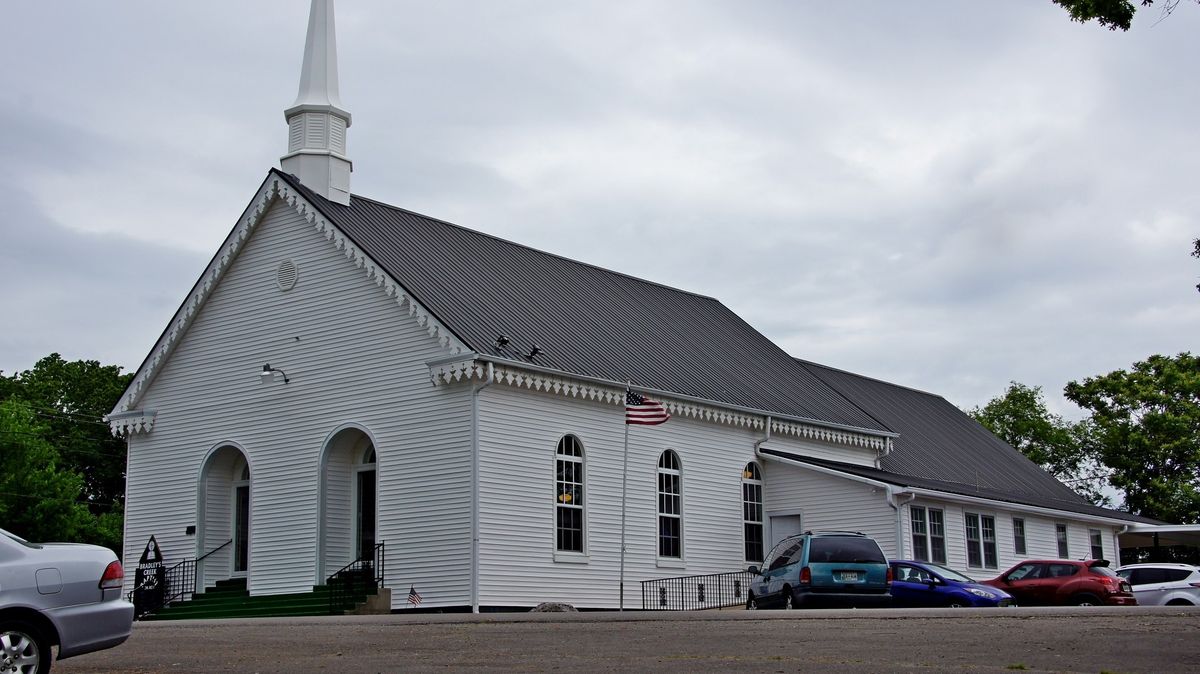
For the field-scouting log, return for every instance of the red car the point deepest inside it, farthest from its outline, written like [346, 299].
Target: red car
[1064, 582]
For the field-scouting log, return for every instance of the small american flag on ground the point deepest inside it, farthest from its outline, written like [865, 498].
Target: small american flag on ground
[413, 597]
[643, 411]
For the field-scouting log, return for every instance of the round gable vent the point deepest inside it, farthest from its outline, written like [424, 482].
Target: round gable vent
[285, 276]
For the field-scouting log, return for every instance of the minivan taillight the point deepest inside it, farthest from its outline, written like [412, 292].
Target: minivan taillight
[889, 575]
[113, 575]
[805, 576]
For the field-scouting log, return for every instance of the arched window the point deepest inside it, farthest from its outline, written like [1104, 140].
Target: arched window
[752, 512]
[568, 495]
[670, 510]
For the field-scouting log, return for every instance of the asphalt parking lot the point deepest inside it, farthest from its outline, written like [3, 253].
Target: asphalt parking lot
[1154, 640]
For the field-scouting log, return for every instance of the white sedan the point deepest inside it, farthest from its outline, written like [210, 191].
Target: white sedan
[58, 594]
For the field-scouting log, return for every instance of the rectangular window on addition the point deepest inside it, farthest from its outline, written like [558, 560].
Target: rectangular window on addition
[1018, 536]
[1060, 535]
[1096, 538]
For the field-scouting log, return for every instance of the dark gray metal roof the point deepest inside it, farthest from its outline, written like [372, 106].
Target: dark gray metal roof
[588, 321]
[941, 447]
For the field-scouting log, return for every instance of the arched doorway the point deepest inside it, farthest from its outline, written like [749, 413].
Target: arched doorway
[224, 531]
[349, 491]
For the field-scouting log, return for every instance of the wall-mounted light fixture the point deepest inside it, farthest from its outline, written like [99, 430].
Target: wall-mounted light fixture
[268, 374]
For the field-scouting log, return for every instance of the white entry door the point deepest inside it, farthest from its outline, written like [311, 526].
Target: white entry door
[783, 526]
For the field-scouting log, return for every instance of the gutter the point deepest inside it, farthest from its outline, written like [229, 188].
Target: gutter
[662, 392]
[491, 379]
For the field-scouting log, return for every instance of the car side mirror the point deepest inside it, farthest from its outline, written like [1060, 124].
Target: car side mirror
[753, 569]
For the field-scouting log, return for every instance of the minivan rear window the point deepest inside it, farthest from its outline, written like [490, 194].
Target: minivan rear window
[847, 550]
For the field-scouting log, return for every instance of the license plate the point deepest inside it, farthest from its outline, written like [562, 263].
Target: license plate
[849, 576]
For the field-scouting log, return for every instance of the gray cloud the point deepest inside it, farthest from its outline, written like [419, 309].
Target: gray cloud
[947, 195]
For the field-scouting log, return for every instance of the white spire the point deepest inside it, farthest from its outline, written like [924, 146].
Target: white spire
[316, 121]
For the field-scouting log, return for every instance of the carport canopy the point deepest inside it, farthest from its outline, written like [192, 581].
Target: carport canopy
[1151, 535]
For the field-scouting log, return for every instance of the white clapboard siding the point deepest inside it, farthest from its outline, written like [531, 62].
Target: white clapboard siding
[519, 432]
[1040, 541]
[353, 357]
[826, 502]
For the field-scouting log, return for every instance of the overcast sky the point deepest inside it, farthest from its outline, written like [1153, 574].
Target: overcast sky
[947, 195]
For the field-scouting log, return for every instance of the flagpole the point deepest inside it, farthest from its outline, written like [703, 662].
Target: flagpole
[624, 477]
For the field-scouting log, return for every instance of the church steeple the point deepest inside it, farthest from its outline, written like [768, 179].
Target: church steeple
[316, 121]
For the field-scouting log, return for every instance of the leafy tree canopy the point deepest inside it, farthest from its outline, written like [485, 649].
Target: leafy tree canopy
[1147, 432]
[56, 409]
[1020, 418]
[1112, 14]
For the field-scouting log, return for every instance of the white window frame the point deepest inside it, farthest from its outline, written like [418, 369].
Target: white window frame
[668, 472]
[927, 535]
[1020, 545]
[752, 485]
[979, 546]
[569, 499]
[1096, 540]
[1062, 537]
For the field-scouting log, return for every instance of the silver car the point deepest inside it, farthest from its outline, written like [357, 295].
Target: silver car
[58, 594]
[1163, 584]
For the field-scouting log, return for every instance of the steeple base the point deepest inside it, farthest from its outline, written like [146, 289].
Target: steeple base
[322, 172]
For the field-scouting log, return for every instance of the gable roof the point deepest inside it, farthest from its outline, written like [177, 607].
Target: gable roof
[942, 448]
[587, 320]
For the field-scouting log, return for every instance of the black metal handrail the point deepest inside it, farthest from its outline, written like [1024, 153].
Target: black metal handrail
[176, 583]
[357, 579]
[686, 593]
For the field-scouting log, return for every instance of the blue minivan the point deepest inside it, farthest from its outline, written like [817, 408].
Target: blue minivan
[822, 568]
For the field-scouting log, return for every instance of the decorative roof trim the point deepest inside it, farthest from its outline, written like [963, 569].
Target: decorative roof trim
[470, 368]
[274, 189]
[130, 423]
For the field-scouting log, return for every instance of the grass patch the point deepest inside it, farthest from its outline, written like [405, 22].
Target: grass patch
[1017, 666]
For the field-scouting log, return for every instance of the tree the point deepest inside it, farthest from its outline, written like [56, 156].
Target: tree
[39, 499]
[1113, 14]
[57, 431]
[1062, 448]
[71, 399]
[1147, 433]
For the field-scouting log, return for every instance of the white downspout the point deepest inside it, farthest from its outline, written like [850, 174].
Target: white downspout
[491, 374]
[889, 494]
[1117, 541]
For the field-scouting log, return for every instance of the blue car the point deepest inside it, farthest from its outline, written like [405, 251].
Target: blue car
[921, 584]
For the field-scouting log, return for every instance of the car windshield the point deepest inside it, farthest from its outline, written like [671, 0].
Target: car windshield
[951, 574]
[845, 549]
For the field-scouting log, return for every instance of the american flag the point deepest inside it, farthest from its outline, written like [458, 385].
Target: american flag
[413, 597]
[643, 411]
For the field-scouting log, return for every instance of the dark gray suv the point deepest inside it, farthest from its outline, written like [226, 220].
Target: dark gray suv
[822, 568]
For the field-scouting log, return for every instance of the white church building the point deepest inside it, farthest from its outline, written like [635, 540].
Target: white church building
[346, 373]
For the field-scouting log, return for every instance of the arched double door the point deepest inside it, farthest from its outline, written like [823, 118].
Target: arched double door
[349, 500]
[224, 522]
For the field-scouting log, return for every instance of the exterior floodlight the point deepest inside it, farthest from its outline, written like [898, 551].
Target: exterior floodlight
[268, 374]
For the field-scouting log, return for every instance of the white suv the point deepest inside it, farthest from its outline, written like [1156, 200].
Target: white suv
[1163, 584]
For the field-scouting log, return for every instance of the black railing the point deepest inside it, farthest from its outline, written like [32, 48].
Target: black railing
[353, 582]
[687, 593]
[177, 583]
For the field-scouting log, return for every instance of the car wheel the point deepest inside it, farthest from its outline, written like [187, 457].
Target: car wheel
[23, 648]
[1085, 600]
[1180, 602]
[789, 600]
[751, 603]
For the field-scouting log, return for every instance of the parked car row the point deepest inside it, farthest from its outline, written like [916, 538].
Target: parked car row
[848, 569]
[58, 594]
